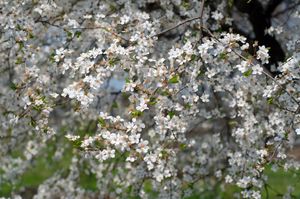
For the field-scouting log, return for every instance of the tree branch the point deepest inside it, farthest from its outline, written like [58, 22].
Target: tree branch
[201, 17]
[179, 24]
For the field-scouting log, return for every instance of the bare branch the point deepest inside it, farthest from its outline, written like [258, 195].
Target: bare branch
[179, 24]
[265, 71]
[201, 17]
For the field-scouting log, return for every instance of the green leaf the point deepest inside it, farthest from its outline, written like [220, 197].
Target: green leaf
[201, 72]
[113, 61]
[32, 122]
[69, 34]
[248, 73]
[186, 4]
[77, 34]
[101, 121]
[171, 114]
[13, 86]
[182, 146]
[19, 60]
[232, 123]
[30, 35]
[152, 101]
[114, 105]
[77, 144]
[187, 106]
[38, 108]
[164, 154]
[127, 80]
[43, 98]
[286, 135]
[270, 100]
[165, 93]
[136, 113]
[223, 56]
[18, 27]
[174, 79]
[21, 44]
[52, 57]
[193, 57]
[112, 8]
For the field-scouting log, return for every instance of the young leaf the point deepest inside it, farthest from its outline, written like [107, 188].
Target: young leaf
[174, 79]
[248, 73]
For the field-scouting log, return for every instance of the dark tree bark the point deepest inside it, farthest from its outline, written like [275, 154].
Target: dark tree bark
[260, 19]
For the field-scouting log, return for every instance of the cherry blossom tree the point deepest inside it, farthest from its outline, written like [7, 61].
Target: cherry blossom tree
[152, 98]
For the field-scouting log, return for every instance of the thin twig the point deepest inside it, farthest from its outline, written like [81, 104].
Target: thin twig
[275, 151]
[86, 28]
[265, 71]
[179, 24]
[103, 28]
[201, 17]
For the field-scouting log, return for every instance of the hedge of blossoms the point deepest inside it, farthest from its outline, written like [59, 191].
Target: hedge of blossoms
[195, 110]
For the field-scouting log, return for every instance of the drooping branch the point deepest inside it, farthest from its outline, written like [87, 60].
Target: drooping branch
[261, 20]
[177, 25]
[265, 71]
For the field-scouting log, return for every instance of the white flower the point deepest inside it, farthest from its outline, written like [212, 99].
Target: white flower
[130, 159]
[143, 147]
[100, 16]
[175, 52]
[105, 154]
[124, 19]
[205, 98]
[218, 174]
[263, 54]
[217, 15]
[134, 138]
[256, 195]
[87, 16]
[72, 137]
[262, 153]
[257, 69]
[243, 67]
[244, 182]
[129, 86]
[143, 105]
[150, 159]
[245, 46]
[87, 142]
[54, 95]
[228, 179]
[14, 119]
[73, 23]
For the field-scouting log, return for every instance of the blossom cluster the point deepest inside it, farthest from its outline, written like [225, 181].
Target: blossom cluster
[137, 107]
